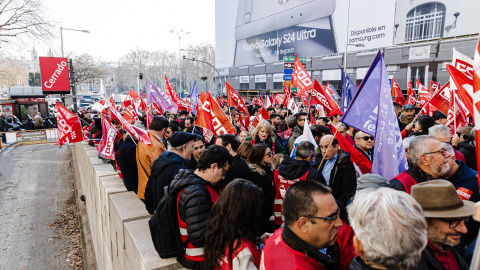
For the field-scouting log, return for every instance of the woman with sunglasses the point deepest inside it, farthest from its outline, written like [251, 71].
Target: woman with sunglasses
[263, 133]
[260, 163]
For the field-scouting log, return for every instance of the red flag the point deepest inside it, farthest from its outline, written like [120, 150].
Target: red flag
[235, 100]
[149, 119]
[464, 84]
[320, 97]
[287, 94]
[397, 94]
[254, 100]
[143, 105]
[434, 87]
[133, 94]
[110, 135]
[359, 159]
[69, 127]
[126, 102]
[207, 133]
[278, 99]
[441, 99]
[300, 77]
[411, 96]
[423, 94]
[168, 87]
[476, 99]
[137, 133]
[131, 114]
[260, 101]
[262, 115]
[212, 117]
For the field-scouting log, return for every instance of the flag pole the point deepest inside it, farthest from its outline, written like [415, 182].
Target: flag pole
[128, 133]
[454, 112]
[328, 148]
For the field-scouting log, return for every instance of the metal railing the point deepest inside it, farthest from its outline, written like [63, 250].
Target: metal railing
[28, 137]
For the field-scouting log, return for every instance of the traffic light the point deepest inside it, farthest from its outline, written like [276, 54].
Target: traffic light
[140, 76]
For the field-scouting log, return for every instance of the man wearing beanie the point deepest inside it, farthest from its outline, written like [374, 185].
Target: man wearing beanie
[166, 166]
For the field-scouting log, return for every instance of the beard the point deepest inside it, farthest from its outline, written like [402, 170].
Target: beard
[439, 238]
[440, 169]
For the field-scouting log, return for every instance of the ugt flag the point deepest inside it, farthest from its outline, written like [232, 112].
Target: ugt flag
[349, 89]
[372, 112]
[69, 127]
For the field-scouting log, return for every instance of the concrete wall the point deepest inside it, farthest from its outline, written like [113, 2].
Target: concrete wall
[117, 218]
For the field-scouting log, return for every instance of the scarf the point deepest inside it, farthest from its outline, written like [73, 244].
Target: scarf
[298, 244]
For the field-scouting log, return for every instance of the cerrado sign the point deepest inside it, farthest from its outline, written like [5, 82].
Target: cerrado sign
[55, 77]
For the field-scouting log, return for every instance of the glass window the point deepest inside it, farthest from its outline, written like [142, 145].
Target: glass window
[425, 22]
[244, 86]
[417, 73]
[278, 85]
[260, 86]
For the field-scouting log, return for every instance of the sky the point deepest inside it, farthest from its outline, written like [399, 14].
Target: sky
[116, 27]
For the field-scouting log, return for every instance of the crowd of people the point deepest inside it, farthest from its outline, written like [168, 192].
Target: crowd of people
[245, 203]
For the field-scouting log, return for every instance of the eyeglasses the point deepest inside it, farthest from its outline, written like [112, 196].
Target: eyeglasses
[224, 171]
[453, 223]
[366, 138]
[270, 154]
[330, 218]
[442, 151]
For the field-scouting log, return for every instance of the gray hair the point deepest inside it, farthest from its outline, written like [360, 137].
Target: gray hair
[340, 124]
[391, 227]
[449, 149]
[419, 146]
[305, 150]
[371, 181]
[406, 143]
[439, 129]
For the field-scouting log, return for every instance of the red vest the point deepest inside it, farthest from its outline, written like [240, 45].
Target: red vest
[226, 264]
[277, 255]
[406, 180]
[192, 252]
[281, 185]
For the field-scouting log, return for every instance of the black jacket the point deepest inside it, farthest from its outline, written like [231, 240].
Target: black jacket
[358, 264]
[127, 161]
[193, 207]
[429, 262]
[291, 168]
[238, 169]
[192, 163]
[262, 176]
[164, 169]
[416, 173]
[343, 178]
[468, 150]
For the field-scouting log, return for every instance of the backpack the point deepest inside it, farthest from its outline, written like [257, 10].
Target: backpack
[164, 226]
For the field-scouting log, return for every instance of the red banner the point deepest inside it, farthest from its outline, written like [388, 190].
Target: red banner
[463, 83]
[441, 99]
[131, 114]
[397, 94]
[212, 117]
[55, 77]
[320, 97]
[110, 135]
[235, 100]
[137, 133]
[69, 127]
[300, 77]
[133, 94]
[207, 134]
[434, 87]
[411, 96]
[262, 115]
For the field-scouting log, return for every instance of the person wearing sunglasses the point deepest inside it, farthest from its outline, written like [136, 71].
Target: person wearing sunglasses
[312, 223]
[365, 142]
[446, 214]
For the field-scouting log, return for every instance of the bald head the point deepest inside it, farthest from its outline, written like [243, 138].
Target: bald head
[329, 152]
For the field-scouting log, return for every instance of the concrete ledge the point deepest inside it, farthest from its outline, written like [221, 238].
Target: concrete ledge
[117, 218]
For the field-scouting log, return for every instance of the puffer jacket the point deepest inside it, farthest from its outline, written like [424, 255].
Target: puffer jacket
[468, 150]
[164, 169]
[262, 176]
[291, 168]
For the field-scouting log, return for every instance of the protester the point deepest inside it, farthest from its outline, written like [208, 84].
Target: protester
[242, 136]
[197, 195]
[231, 235]
[172, 129]
[446, 214]
[239, 168]
[182, 115]
[398, 109]
[190, 126]
[275, 119]
[407, 116]
[334, 116]
[365, 142]
[311, 224]
[38, 121]
[126, 160]
[297, 130]
[95, 132]
[389, 230]
[463, 142]
[337, 169]
[293, 170]
[428, 160]
[291, 122]
[166, 166]
[422, 125]
[442, 119]
[146, 154]
[198, 148]
[260, 163]
[263, 133]
[277, 159]
[442, 133]
[245, 149]
[3, 126]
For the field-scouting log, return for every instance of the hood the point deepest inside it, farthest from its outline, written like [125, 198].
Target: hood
[184, 178]
[468, 145]
[167, 158]
[259, 169]
[291, 168]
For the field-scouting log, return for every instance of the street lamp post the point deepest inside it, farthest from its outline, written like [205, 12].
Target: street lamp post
[195, 64]
[193, 59]
[180, 34]
[72, 83]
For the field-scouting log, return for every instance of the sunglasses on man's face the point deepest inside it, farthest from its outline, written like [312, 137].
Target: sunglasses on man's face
[366, 138]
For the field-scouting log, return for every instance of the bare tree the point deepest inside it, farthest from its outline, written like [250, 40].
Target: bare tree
[12, 72]
[87, 70]
[23, 18]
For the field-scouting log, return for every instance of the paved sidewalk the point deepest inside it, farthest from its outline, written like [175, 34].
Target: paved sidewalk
[35, 183]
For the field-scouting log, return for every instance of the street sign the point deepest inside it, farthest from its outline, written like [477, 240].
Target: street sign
[32, 137]
[288, 63]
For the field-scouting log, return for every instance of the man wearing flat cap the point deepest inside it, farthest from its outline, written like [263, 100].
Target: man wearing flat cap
[445, 214]
[166, 166]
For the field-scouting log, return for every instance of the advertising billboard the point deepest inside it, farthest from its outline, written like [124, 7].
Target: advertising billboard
[252, 32]
[421, 20]
[55, 77]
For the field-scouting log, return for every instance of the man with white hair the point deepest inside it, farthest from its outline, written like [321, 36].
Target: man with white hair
[442, 133]
[428, 161]
[390, 230]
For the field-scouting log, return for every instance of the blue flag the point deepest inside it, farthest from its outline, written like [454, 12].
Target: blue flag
[349, 89]
[194, 98]
[372, 112]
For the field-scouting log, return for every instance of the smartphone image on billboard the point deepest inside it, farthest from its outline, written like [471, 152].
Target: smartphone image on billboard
[267, 30]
